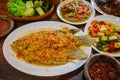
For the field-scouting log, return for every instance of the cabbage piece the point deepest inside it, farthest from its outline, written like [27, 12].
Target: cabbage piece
[16, 7]
[29, 12]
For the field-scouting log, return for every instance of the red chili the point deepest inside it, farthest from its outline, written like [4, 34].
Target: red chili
[102, 23]
[111, 46]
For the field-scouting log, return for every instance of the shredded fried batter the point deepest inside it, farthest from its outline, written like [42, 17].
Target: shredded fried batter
[48, 47]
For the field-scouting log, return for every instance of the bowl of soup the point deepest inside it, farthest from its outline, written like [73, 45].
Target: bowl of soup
[75, 12]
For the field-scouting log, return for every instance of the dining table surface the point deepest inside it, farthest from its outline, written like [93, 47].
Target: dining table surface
[7, 72]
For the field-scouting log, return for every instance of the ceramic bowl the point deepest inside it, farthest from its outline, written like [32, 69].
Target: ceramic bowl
[33, 18]
[4, 21]
[92, 14]
[100, 58]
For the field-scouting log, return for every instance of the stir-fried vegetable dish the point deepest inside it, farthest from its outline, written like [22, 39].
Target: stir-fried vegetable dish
[76, 13]
[106, 35]
[28, 8]
[49, 47]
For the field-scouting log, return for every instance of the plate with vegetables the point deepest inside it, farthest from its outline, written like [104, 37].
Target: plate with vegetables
[105, 30]
[29, 10]
[75, 12]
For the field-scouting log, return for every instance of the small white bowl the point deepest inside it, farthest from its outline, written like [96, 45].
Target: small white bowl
[4, 17]
[100, 57]
[75, 23]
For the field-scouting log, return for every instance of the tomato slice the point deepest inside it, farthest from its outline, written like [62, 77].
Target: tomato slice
[102, 23]
[96, 29]
[111, 46]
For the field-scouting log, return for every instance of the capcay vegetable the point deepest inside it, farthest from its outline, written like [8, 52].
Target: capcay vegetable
[106, 35]
[28, 8]
[29, 12]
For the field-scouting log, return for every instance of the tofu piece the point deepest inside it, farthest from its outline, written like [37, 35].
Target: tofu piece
[29, 4]
[100, 34]
[104, 38]
[103, 28]
[112, 37]
[96, 40]
[117, 45]
[117, 29]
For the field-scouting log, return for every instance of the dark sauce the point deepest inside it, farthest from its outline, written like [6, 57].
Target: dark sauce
[103, 71]
[4, 26]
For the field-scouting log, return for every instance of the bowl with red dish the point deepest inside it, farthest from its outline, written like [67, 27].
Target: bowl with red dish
[6, 25]
[75, 12]
[102, 67]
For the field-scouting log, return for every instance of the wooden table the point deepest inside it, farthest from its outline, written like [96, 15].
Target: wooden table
[7, 72]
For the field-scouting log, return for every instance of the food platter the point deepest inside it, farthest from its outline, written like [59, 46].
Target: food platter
[108, 7]
[96, 7]
[36, 70]
[74, 22]
[112, 19]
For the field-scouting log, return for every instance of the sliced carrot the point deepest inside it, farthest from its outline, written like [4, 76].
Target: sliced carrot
[108, 28]
[118, 36]
[93, 34]
[90, 28]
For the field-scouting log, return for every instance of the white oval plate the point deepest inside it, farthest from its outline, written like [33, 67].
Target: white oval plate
[22, 66]
[110, 18]
[74, 23]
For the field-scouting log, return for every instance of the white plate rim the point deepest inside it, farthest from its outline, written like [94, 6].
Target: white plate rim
[97, 8]
[27, 68]
[66, 1]
[110, 18]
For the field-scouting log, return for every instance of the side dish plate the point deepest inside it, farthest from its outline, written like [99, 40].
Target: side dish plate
[75, 23]
[112, 19]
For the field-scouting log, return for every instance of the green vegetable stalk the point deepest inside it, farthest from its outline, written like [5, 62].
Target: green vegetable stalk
[40, 11]
[29, 12]
[30, 9]
[29, 4]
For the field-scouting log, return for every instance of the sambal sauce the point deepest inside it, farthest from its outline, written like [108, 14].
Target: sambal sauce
[4, 26]
[103, 71]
